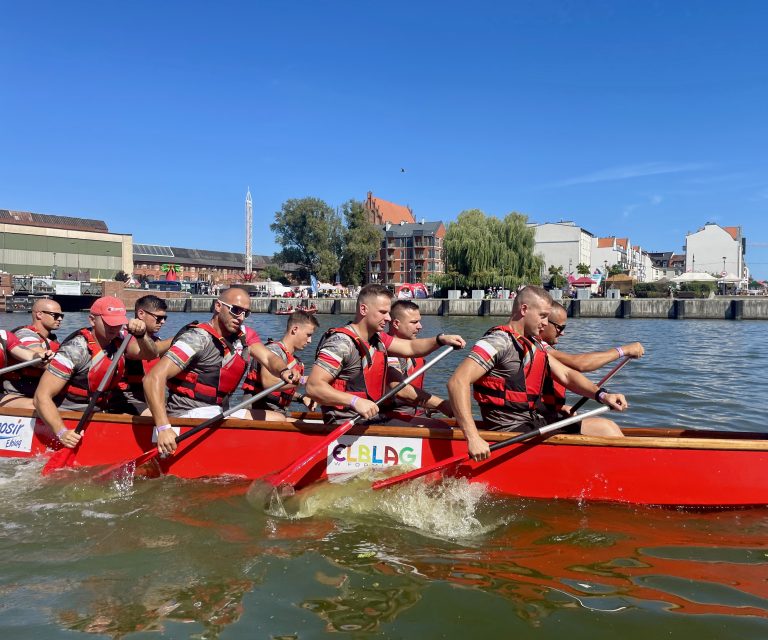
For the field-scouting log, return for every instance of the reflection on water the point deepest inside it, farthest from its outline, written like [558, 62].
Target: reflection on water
[177, 559]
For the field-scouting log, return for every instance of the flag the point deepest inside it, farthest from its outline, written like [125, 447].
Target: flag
[313, 284]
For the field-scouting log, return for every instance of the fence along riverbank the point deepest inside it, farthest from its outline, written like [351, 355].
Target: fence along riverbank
[720, 308]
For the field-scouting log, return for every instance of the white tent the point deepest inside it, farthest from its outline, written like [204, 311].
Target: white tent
[730, 278]
[694, 276]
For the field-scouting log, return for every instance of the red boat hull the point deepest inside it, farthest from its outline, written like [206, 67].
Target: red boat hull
[655, 467]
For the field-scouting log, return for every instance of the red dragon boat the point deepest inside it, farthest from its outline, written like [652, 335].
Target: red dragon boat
[668, 467]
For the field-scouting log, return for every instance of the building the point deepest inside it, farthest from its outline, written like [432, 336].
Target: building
[381, 212]
[667, 263]
[610, 251]
[717, 250]
[563, 244]
[62, 247]
[154, 261]
[410, 252]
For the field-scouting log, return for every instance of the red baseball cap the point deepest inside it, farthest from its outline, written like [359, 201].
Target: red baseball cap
[111, 310]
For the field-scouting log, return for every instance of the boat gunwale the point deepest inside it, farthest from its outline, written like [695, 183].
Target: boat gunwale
[637, 437]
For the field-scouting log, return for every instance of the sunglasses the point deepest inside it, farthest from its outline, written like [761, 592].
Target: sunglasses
[55, 315]
[560, 328]
[235, 310]
[157, 316]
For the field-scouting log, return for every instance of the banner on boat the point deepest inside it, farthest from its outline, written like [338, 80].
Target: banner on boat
[16, 433]
[353, 453]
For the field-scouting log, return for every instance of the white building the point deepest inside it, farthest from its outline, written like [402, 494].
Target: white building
[717, 250]
[563, 244]
[609, 251]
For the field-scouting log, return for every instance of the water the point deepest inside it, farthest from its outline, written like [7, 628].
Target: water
[189, 559]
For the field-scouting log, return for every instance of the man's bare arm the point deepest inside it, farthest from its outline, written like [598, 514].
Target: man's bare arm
[596, 359]
[459, 385]
[320, 390]
[49, 387]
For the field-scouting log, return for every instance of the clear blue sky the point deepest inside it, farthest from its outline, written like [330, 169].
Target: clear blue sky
[639, 119]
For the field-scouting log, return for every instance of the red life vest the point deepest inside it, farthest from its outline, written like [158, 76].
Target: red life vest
[371, 383]
[33, 372]
[82, 385]
[136, 370]
[552, 393]
[214, 384]
[413, 365]
[520, 391]
[3, 347]
[253, 383]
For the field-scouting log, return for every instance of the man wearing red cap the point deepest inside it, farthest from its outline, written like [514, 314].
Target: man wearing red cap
[82, 361]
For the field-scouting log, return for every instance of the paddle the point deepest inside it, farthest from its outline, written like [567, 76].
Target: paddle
[152, 453]
[417, 473]
[291, 475]
[64, 457]
[464, 457]
[20, 365]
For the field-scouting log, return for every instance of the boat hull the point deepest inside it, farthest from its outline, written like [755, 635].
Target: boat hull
[653, 467]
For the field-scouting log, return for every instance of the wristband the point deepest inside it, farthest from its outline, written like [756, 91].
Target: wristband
[353, 401]
[58, 433]
[621, 351]
[162, 427]
[439, 340]
[303, 380]
[284, 370]
[599, 392]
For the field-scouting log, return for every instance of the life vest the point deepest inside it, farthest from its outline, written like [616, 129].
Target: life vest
[413, 365]
[3, 347]
[33, 372]
[520, 391]
[214, 384]
[83, 384]
[553, 394]
[371, 382]
[253, 383]
[136, 370]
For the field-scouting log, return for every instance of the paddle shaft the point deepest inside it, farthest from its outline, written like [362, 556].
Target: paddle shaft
[153, 453]
[20, 365]
[286, 474]
[603, 380]
[464, 457]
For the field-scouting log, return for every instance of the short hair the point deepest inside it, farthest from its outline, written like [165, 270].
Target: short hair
[401, 306]
[300, 317]
[529, 294]
[150, 303]
[373, 291]
[556, 306]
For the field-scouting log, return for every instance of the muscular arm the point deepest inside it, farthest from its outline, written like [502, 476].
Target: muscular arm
[578, 383]
[419, 347]
[320, 390]
[142, 347]
[50, 386]
[154, 388]
[459, 384]
[596, 359]
[271, 362]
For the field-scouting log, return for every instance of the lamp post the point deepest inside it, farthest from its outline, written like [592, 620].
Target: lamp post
[724, 271]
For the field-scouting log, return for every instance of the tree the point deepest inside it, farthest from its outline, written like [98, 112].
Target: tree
[615, 270]
[557, 279]
[275, 273]
[310, 233]
[583, 269]
[488, 251]
[361, 240]
[122, 276]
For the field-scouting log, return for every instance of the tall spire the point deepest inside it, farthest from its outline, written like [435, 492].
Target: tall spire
[248, 236]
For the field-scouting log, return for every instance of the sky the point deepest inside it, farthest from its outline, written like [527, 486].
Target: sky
[639, 119]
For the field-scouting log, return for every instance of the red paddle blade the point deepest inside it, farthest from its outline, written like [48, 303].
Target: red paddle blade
[418, 473]
[122, 468]
[62, 459]
[293, 473]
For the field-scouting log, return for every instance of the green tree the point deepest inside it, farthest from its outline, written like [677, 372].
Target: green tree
[361, 240]
[274, 273]
[583, 269]
[557, 279]
[615, 270]
[310, 234]
[488, 251]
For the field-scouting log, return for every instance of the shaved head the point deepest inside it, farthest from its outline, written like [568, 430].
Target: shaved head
[531, 295]
[46, 304]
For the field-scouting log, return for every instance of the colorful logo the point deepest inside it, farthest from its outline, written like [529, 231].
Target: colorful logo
[16, 433]
[353, 453]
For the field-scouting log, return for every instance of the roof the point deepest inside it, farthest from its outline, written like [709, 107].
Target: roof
[200, 257]
[605, 243]
[53, 222]
[734, 231]
[385, 211]
[622, 242]
[415, 228]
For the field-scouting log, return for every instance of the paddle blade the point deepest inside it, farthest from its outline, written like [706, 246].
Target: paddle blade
[293, 474]
[418, 473]
[62, 459]
[131, 466]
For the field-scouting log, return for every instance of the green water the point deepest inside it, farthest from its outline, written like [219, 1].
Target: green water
[168, 558]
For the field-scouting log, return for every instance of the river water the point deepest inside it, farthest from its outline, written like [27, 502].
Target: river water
[168, 558]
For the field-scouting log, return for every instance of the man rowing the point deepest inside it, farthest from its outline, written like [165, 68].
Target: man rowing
[20, 385]
[82, 361]
[413, 399]
[299, 330]
[205, 366]
[507, 367]
[553, 405]
[350, 369]
[130, 399]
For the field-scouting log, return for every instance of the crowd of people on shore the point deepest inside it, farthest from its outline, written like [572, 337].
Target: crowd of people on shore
[514, 372]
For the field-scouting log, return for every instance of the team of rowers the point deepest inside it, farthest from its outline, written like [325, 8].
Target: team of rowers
[514, 372]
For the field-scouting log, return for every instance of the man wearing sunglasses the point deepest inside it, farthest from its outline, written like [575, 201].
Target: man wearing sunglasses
[20, 385]
[153, 311]
[205, 365]
[552, 405]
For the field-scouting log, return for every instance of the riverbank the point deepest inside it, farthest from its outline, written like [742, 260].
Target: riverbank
[720, 308]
